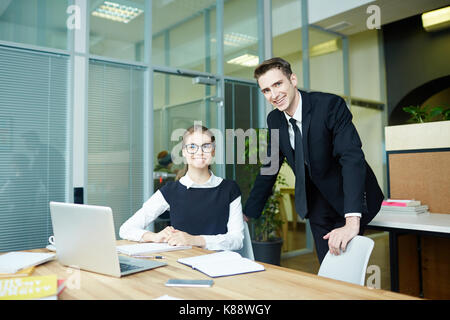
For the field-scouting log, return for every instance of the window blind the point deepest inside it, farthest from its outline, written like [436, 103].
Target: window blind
[115, 138]
[33, 145]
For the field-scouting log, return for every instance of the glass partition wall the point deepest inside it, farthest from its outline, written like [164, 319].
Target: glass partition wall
[34, 22]
[117, 29]
[183, 34]
[35, 120]
[178, 104]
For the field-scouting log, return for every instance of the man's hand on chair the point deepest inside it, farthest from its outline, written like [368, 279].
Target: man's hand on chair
[340, 237]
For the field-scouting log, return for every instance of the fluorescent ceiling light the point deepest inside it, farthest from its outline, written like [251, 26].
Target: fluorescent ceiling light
[246, 60]
[437, 19]
[324, 48]
[116, 12]
[238, 39]
[235, 39]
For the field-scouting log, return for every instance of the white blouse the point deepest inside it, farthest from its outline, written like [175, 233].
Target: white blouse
[134, 228]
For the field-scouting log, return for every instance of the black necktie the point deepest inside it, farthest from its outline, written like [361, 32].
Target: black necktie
[300, 191]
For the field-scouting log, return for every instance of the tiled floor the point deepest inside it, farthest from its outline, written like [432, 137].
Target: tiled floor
[378, 267]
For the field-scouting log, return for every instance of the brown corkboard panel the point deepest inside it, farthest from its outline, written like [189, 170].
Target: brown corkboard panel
[423, 176]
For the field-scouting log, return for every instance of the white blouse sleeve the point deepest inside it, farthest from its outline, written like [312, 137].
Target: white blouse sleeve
[134, 228]
[233, 239]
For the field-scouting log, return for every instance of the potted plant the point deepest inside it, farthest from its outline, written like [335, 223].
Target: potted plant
[266, 230]
[267, 242]
[421, 114]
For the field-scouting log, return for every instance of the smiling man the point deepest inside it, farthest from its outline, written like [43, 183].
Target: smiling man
[334, 187]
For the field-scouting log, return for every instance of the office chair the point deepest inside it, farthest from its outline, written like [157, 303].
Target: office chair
[247, 249]
[351, 265]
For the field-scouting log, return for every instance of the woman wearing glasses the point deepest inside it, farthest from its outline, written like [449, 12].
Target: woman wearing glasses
[205, 210]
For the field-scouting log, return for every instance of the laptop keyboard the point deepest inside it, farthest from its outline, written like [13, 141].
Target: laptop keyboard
[127, 267]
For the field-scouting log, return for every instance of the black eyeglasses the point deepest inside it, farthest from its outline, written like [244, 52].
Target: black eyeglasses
[192, 148]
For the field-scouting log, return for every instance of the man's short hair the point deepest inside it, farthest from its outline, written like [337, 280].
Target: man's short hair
[272, 63]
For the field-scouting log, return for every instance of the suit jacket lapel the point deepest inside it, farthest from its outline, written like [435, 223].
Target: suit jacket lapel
[306, 120]
[285, 144]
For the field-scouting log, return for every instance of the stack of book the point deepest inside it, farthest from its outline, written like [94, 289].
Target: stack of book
[31, 288]
[16, 282]
[410, 207]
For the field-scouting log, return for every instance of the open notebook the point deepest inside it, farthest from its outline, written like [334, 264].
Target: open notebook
[220, 264]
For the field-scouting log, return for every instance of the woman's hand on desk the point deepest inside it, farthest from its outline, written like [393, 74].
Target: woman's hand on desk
[162, 236]
[174, 237]
[180, 238]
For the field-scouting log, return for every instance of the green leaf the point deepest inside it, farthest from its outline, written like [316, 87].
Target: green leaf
[435, 112]
[412, 110]
[447, 114]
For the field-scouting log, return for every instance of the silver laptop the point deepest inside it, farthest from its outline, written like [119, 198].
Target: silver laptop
[85, 238]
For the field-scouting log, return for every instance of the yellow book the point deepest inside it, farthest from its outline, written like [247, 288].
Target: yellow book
[39, 287]
[21, 273]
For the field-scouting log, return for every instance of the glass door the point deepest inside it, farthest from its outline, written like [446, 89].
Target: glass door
[178, 103]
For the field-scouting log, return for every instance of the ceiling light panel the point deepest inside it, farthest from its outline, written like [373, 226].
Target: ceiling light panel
[436, 19]
[116, 12]
[246, 60]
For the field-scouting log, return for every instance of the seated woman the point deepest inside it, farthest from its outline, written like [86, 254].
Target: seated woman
[205, 210]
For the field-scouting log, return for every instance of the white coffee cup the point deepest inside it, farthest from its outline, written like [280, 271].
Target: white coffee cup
[51, 240]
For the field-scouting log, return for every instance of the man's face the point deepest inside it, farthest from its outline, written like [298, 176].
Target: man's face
[279, 90]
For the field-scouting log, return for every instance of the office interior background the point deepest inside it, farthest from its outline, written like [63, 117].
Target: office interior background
[88, 100]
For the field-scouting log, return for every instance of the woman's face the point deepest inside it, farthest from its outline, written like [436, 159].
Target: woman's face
[198, 150]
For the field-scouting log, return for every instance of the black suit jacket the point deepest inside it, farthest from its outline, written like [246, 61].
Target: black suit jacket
[334, 160]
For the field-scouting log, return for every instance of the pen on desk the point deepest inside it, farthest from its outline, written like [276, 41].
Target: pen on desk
[152, 257]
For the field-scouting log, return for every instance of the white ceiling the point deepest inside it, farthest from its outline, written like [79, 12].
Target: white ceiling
[170, 12]
[240, 16]
[390, 11]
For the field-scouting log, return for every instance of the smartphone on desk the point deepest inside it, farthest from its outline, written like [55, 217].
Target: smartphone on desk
[189, 283]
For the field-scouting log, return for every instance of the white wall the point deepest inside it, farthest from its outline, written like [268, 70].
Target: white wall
[365, 83]
[322, 9]
[365, 65]
[286, 14]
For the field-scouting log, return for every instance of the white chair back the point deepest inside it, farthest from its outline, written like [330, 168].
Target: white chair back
[351, 265]
[247, 249]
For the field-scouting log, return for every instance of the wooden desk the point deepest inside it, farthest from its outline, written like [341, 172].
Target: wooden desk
[424, 227]
[275, 283]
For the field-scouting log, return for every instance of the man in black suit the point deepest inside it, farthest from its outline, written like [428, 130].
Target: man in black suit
[335, 188]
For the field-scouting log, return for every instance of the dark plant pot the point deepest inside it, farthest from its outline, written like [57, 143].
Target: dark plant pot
[269, 252]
